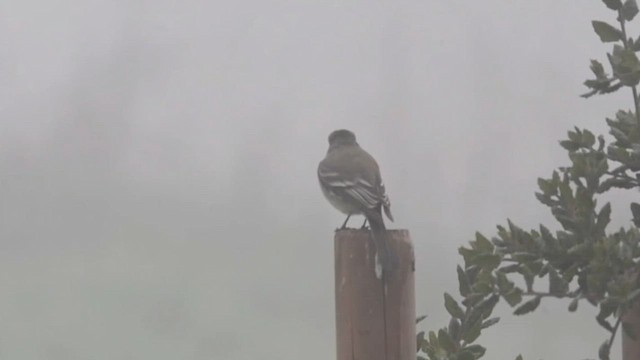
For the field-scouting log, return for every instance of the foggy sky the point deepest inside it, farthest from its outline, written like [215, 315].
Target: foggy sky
[158, 164]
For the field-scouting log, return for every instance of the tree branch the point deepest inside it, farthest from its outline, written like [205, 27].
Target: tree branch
[625, 41]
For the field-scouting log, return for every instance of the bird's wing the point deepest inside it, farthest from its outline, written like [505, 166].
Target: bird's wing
[354, 187]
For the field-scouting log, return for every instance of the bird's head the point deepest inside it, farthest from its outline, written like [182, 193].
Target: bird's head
[342, 137]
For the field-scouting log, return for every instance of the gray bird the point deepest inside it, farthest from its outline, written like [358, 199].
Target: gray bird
[350, 179]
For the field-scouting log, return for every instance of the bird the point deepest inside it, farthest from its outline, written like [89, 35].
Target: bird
[350, 180]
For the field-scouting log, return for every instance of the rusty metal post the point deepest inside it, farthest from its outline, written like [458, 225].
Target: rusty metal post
[375, 314]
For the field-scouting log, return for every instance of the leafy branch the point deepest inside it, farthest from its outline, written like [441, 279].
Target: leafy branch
[582, 261]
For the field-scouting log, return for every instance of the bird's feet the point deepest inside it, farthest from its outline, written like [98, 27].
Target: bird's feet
[344, 224]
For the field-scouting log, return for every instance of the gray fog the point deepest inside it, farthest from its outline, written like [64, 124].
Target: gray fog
[158, 162]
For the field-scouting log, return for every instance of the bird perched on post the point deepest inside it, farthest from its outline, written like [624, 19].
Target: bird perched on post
[350, 179]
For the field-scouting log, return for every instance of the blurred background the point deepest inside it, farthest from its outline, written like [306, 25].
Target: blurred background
[158, 191]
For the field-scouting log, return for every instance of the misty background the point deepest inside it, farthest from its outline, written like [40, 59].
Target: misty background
[158, 191]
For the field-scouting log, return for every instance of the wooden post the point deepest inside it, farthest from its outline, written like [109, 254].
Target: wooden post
[375, 315]
[630, 347]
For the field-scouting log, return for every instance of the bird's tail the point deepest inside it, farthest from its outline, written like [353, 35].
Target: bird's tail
[386, 255]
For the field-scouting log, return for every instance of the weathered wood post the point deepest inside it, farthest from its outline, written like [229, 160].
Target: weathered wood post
[375, 315]
[630, 347]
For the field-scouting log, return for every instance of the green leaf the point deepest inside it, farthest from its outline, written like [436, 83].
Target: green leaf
[486, 306]
[420, 318]
[452, 306]
[433, 339]
[604, 216]
[636, 44]
[445, 341]
[489, 322]
[635, 211]
[545, 199]
[629, 330]
[544, 270]
[566, 194]
[626, 117]
[557, 285]
[570, 273]
[472, 333]
[468, 255]
[483, 244]
[629, 10]
[487, 261]
[620, 183]
[465, 355]
[513, 297]
[523, 256]
[595, 86]
[463, 282]
[606, 32]
[528, 306]
[573, 306]
[550, 242]
[598, 70]
[626, 67]
[619, 153]
[547, 186]
[535, 267]
[509, 269]
[472, 273]
[588, 139]
[430, 350]
[472, 299]
[420, 340]
[600, 143]
[477, 350]
[504, 284]
[613, 4]
[454, 329]
[575, 135]
[570, 145]
[603, 352]
[605, 312]
[529, 276]
[579, 250]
